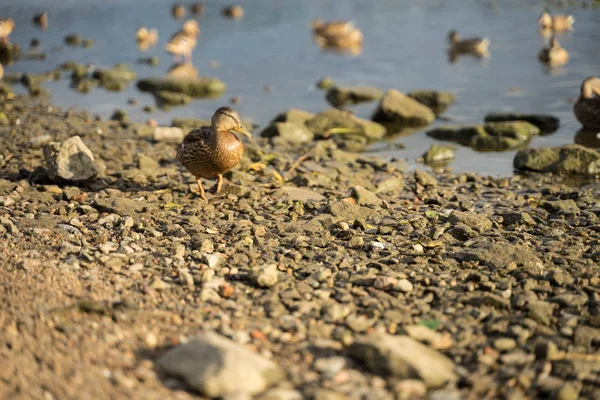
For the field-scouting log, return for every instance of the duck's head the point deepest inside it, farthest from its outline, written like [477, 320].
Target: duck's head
[191, 27]
[590, 86]
[227, 119]
[452, 36]
[545, 19]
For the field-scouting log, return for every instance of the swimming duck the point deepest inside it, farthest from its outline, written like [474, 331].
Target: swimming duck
[331, 28]
[556, 22]
[553, 54]
[41, 20]
[178, 10]
[210, 151]
[197, 8]
[353, 38]
[233, 12]
[6, 27]
[183, 42]
[470, 45]
[587, 106]
[146, 37]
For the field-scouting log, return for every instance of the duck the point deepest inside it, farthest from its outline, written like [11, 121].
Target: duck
[210, 151]
[41, 20]
[553, 54]
[178, 11]
[470, 45]
[183, 42]
[197, 8]
[556, 22]
[321, 27]
[587, 106]
[6, 27]
[352, 39]
[233, 12]
[146, 37]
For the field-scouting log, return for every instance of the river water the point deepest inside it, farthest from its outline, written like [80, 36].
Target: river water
[404, 48]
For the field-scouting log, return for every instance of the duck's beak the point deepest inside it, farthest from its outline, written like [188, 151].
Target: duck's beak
[241, 130]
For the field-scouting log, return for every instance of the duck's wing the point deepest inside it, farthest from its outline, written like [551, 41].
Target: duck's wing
[195, 143]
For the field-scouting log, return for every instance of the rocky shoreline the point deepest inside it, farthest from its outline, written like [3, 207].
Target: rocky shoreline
[318, 274]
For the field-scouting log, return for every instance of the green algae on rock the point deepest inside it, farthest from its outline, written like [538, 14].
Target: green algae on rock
[339, 96]
[333, 118]
[491, 136]
[546, 123]
[165, 98]
[116, 78]
[438, 154]
[572, 159]
[192, 86]
[438, 101]
[293, 115]
[399, 110]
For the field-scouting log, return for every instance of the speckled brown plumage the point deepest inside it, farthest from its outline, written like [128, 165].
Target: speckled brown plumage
[587, 107]
[210, 151]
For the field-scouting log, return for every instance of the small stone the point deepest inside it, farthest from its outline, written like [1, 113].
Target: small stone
[504, 344]
[265, 276]
[214, 260]
[409, 389]
[329, 366]
[159, 284]
[150, 340]
[404, 285]
[365, 197]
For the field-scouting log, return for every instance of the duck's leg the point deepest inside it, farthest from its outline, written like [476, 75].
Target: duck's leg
[202, 194]
[219, 183]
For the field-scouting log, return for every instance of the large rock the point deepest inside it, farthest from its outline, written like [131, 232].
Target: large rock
[334, 118]
[116, 78]
[340, 96]
[294, 115]
[404, 358]
[437, 101]
[570, 159]
[399, 110]
[70, 161]
[546, 123]
[195, 87]
[491, 136]
[438, 154]
[217, 367]
[288, 133]
[500, 255]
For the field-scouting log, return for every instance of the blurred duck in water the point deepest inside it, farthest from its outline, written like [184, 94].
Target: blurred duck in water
[233, 12]
[553, 54]
[183, 42]
[197, 8]
[41, 20]
[6, 27]
[469, 45]
[178, 11]
[587, 106]
[146, 38]
[338, 35]
[556, 23]
[321, 27]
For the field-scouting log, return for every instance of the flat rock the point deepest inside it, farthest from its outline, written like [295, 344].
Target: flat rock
[398, 109]
[365, 197]
[500, 255]
[572, 159]
[404, 358]
[438, 153]
[192, 86]
[473, 220]
[217, 367]
[168, 134]
[300, 194]
[339, 96]
[438, 101]
[334, 118]
[546, 123]
[70, 161]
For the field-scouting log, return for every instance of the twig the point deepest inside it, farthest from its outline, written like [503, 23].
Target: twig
[299, 161]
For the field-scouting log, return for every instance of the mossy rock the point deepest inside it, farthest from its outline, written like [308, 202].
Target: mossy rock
[164, 98]
[79, 72]
[288, 133]
[546, 123]
[458, 134]
[334, 118]
[9, 52]
[325, 83]
[294, 115]
[340, 96]
[73, 39]
[195, 87]
[486, 142]
[438, 153]
[119, 115]
[572, 159]
[398, 110]
[438, 101]
[115, 79]
[5, 89]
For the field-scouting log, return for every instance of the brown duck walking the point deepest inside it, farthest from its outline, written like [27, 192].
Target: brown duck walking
[587, 107]
[210, 151]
